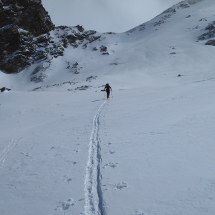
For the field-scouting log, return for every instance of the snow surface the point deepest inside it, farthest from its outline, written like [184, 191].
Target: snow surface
[148, 150]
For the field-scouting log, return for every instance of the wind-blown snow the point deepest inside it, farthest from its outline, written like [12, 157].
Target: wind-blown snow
[148, 150]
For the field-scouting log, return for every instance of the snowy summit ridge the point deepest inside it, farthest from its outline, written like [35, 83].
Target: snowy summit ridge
[33, 49]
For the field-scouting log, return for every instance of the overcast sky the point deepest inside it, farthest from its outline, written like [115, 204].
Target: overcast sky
[105, 15]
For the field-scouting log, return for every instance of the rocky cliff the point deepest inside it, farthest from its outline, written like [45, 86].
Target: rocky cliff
[21, 21]
[28, 36]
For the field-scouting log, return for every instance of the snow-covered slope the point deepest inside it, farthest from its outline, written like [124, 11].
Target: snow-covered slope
[168, 41]
[148, 150]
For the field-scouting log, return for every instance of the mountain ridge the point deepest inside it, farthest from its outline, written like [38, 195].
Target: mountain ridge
[38, 56]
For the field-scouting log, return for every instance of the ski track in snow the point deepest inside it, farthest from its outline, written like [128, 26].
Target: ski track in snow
[4, 152]
[94, 204]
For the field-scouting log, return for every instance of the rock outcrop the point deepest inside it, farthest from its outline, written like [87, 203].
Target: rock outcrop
[210, 32]
[28, 36]
[21, 21]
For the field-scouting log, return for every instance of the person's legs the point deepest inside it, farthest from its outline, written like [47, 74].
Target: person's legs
[108, 94]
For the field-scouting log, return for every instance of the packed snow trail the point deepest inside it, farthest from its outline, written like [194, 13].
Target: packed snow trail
[94, 204]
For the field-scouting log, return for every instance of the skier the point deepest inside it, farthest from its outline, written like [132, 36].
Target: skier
[107, 89]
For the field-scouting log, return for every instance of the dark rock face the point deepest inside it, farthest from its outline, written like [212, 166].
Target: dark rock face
[28, 36]
[20, 22]
[3, 89]
[210, 42]
[28, 15]
[104, 50]
[209, 34]
[210, 31]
